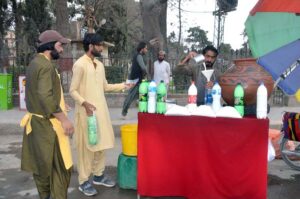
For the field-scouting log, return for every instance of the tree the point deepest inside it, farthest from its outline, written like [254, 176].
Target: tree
[61, 14]
[225, 51]
[5, 22]
[154, 17]
[198, 38]
[37, 20]
[115, 28]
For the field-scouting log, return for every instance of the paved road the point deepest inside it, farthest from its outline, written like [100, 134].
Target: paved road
[283, 182]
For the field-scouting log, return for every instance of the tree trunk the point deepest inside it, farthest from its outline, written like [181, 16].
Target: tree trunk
[62, 24]
[180, 29]
[62, 17]
[154, 17]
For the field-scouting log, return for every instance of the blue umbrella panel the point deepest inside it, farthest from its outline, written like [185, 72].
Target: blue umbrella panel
[283, 64]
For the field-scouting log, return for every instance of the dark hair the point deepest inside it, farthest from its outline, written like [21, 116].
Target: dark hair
[91, 38]
[210, 48]
[141, 46]
[48, 46]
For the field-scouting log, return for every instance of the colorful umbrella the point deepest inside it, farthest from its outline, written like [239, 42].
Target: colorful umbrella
[272, 24]
[283, 65]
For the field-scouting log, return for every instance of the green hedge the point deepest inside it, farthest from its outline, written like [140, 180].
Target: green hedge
[181, 80]
[115, 74]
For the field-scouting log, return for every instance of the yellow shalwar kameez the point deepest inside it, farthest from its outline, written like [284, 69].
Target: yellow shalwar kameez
[89, 84]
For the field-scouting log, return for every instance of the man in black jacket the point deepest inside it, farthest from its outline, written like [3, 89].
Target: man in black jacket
[137, 73]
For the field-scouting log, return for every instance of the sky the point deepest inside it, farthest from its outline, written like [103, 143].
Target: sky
[199, 13]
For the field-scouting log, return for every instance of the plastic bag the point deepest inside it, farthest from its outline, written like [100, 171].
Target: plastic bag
[271, 151]
[92, 129]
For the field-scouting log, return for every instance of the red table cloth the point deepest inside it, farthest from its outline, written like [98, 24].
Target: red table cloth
[201, 157]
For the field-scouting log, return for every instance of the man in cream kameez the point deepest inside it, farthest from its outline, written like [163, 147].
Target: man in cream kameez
[87, 89]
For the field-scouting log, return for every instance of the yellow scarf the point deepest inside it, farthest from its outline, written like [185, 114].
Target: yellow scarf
[63, 140]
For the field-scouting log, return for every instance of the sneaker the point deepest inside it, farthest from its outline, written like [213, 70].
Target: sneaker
[87, 189]
[103, 180]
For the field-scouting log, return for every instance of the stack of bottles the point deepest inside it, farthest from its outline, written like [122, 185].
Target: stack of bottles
[152, 97]
[261, 103]
[127, 160]
[212, 97]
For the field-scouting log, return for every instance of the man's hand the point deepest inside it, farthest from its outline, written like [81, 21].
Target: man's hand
[89, 108]
[209, 84]
[68, 108]
[65, 123]
[129, 85]
[68, 127]
[192, 54]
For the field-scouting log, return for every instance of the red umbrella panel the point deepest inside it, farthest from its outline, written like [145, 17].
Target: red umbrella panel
[292, 6]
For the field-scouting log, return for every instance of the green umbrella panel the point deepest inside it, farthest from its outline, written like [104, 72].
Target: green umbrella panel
[268, 31]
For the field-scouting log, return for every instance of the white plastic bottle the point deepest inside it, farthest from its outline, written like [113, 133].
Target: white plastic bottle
[216, 95]
[152, 97]
[192, 96]
[262, 102]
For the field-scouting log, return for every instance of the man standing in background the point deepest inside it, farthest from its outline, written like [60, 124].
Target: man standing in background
[162, 70]
[138, 73]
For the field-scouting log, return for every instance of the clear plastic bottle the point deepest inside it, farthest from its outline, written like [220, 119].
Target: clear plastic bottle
[262, 102]
[208, 96]
[160, 99]
[239, 99]
[92, 129]
[216, 95]
[152, 97]
[192, 96]
[143, 96]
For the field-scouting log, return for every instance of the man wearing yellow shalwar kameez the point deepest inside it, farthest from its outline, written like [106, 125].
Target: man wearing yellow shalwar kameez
[46, 151]
[87, 89]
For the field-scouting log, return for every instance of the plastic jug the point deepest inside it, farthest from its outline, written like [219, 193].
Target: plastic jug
[239, 99]
[152, 97]
[92, 129]
[192, 96]
[160, 99]
[143, 96]
[262, 101]
[216, 95]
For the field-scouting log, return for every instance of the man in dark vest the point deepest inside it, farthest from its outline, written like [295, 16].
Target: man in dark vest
[137, 74]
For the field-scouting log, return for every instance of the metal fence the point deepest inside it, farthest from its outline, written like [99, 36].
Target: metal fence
[120, 67]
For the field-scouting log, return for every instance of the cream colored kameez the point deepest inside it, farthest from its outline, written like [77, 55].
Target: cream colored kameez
[89, 84]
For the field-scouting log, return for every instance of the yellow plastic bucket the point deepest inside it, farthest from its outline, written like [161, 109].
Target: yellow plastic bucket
[129, 139]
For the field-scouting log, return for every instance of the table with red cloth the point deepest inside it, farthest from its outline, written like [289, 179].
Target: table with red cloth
[201, 157]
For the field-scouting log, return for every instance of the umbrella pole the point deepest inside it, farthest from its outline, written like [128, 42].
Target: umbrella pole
[287, 72]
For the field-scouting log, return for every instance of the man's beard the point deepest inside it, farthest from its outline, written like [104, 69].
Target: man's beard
[54, 54]
[160, 60]
[209, 64]
[96, 53]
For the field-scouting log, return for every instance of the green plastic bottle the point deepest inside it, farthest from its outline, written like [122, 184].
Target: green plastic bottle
[92, 129]
[239, 99]
[143, 96]
[160, 99]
